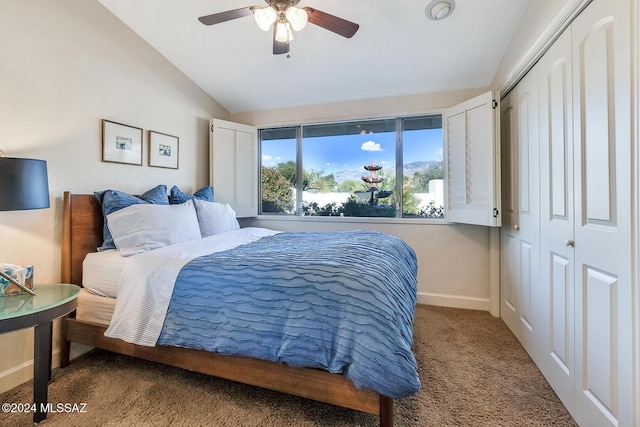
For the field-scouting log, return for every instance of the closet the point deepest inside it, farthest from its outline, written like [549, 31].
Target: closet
[567, 252]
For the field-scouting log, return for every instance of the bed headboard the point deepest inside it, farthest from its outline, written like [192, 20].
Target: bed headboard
[81, 233]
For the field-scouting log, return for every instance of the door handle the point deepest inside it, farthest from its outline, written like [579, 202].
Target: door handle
[570, 242]
[517, 227]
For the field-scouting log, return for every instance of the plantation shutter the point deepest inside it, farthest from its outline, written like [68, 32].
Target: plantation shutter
[473, 162]
[234, 166]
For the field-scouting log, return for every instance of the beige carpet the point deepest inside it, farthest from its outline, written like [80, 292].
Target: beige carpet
[473, 372]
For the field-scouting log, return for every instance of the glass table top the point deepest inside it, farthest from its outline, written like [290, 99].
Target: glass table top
[46, 297]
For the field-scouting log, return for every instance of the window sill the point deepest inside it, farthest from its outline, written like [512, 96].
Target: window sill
[351, 219]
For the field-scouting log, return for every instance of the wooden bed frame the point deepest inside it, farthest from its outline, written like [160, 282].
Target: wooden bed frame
[82, 234]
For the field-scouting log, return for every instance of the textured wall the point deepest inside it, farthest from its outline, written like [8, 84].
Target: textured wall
[453, 260]
[536, 18]
[64, 66]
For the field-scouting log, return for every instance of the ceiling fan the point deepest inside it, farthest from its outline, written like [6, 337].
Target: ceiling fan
[285, 18]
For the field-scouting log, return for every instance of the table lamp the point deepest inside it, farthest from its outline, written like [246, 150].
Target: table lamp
[23, 185]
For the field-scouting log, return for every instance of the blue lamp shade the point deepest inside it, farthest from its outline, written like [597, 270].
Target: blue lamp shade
[23, 184]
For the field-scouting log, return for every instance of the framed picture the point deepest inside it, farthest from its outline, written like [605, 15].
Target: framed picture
[163, 150]
[121, 143]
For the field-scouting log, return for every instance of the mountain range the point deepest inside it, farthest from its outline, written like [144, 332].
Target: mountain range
[409, 168]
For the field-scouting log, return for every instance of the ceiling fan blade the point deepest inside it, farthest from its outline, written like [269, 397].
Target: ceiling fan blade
[332, 23]
[217, 18]
[279, 47]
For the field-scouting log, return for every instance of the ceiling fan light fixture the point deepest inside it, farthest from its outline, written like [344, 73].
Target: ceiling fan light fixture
[437, 10]
[265, 16]
[297, 17]
[283, 32]
[284, 18]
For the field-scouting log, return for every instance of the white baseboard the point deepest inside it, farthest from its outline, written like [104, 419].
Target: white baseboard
[15, 376]
[454, 301]
[23, 372]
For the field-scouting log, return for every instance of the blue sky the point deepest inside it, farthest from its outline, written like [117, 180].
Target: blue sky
[350, 152]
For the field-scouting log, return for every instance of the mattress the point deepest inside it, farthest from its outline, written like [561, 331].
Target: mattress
[95, 308]
[101, 272]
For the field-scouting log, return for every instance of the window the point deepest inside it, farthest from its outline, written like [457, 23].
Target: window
[379, 168]
[278, 170]
[368, 168]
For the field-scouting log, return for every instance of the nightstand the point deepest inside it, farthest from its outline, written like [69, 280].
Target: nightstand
[39, 312]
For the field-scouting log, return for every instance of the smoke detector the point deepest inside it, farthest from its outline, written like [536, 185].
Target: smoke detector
[437, 10]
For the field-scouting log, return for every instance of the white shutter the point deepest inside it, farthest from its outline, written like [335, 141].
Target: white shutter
[234, 166]
[473, 162]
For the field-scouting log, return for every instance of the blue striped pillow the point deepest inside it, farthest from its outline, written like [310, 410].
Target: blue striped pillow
[114, 200]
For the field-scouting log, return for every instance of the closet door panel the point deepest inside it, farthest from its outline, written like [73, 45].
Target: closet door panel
[599, 328]
[602, 137]
[528, 237]
[598, 138]
[509, 164]
[509, 282]
[509, 259]
[527, 271]
[520, 227]
[561, 339]
[556, 308]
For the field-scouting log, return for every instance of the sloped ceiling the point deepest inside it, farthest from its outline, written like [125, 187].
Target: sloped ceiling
[397, 50]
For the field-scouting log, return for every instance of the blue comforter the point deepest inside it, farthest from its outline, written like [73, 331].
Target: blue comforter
[340, 301]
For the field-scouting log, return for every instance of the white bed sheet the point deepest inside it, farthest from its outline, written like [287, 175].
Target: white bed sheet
[101, 272]
[147, 283]
[95, 308]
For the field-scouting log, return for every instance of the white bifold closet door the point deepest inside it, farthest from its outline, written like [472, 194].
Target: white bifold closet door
[509, 267]
[602, 161]
[556, 311]
[585, 190]
[520, 241]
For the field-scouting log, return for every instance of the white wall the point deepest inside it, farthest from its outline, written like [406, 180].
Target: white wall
[538, 16]
[365, 109]
[453, 260]
[64, 66]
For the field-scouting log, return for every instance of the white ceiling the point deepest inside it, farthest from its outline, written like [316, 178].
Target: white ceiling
[397, 50]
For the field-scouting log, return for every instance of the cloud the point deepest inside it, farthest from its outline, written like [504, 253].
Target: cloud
[266, 157]
[371, 146]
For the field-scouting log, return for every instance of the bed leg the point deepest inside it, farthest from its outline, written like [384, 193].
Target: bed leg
[386, 411]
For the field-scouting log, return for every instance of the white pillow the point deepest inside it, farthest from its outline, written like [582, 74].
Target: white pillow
[215, 217]
[144, 227]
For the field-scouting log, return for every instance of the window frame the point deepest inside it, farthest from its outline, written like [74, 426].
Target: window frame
[399, 172]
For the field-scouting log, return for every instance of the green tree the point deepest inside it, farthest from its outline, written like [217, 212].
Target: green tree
[288, 171]
[409, 201]
[352, 185]
[320, 182]
[276, 191]
[313, 209]
[420, 180]
[353, 208]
